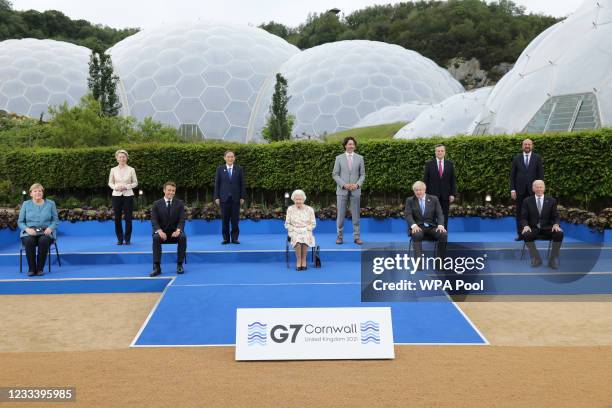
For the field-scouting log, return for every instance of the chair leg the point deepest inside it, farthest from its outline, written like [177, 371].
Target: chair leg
[20, 260]
[48, 259]
[287, 253]
[523, 251]
[549, 249]
[410, 247]
[57, 255]
[185, 257]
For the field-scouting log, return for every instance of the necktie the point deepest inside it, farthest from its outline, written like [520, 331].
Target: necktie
[230, 172]
[422, 204]
[350, 161]
[540, 205]
[440, 168]
[168, 206]
[526, 161]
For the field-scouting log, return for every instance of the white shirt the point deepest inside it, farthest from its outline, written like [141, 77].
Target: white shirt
[122, 176]
[440, 162]
[528, 155]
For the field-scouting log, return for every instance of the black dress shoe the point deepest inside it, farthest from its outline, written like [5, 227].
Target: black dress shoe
[536, 262]
[128, 243]
[179, 269]
[304, 267]
[298, 268]
[40, 273]
[224, 242]
[31, 273]
[119, 242]
[156, 271]
[235, 241]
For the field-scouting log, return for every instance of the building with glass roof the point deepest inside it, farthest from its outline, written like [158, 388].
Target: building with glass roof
[561, 82]
[203, 78]
[453, 116]
[36, 74]
[335, 85]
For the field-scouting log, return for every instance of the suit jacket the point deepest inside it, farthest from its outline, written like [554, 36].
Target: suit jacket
[530, 215]
[522, 178]
[342, 175]
[433, 211]
[441, 187]
[226, 187]
[168, 222]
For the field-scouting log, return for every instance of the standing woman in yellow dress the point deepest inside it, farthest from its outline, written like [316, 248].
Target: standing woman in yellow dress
[122, 180]
[300, 222]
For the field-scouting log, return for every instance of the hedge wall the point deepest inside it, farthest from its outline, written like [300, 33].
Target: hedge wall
[577, 165]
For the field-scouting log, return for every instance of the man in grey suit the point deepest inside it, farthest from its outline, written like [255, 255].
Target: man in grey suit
[425, 220]
[349, 174]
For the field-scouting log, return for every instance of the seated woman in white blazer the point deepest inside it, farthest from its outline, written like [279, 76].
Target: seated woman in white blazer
[300, 222]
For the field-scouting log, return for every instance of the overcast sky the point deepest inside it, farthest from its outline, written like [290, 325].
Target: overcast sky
[150, 13]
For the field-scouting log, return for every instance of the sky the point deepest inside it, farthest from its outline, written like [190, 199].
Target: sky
[151, 13]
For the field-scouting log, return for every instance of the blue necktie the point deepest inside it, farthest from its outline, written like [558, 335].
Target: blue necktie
[230, 172]
[422, 204]
[526, 161]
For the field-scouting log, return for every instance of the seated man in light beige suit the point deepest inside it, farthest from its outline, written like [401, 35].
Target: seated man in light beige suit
[349, 174]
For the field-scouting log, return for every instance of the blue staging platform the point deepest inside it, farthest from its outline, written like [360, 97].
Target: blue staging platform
[199, 307]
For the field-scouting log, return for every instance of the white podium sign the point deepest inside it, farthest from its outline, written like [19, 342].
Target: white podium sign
[314, 333]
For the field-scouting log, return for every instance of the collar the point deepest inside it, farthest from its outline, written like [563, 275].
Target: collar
[542, 196]
[349, 154]
[526, 154]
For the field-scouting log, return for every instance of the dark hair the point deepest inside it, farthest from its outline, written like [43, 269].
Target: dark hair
[169, 183]
[440, 145]
[347, 139]
[228, 151]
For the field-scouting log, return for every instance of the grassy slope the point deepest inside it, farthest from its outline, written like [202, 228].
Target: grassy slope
[367, 133]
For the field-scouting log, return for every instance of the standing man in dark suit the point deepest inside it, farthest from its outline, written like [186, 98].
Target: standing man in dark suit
[168, 220]
[440, 180]
[540, 220]
[526, 168]
[425, 219]
[229, 194]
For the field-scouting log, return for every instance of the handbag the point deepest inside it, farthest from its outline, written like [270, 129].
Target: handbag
[317, 258]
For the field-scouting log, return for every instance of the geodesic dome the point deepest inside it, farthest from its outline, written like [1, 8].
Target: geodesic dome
[451, 117]
[200, 77]
[404, 113]
[333, 86]
[561, 82]
[35, 74]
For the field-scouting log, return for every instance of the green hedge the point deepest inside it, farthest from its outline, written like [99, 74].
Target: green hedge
[576, 165]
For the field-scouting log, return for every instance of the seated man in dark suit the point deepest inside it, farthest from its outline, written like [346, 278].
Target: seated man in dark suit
[425, 219]
[229, 194]
[168, 220]
[540, 220]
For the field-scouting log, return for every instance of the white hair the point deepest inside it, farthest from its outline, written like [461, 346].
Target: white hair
[296, 193]
[418, 184]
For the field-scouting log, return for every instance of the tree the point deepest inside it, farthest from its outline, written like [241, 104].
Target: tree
[102, 83]
[280, 122]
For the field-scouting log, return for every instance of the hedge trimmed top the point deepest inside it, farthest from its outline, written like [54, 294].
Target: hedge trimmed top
[577, 165]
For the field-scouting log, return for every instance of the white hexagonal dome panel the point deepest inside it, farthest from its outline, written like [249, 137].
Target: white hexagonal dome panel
[36, 74]
[204, 74]
[453, 116]
[334, 85]
[404, 113]
[561, 81]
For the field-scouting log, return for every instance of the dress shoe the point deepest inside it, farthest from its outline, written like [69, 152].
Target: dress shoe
[304, 267]
[339, 241]
[156, 271]
[179, 269]
[518, 238]
[536, 262]
[235, 241]
[128, 242]
[119, 242]
[224, 242]
[31, 273]
[553, 263]
[298, 268]
[358, 241]
[40, 273]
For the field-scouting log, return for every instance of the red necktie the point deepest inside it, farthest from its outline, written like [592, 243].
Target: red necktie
[440, 168]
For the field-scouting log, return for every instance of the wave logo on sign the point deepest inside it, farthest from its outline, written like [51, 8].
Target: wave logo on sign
[258, 334]
[370, 332]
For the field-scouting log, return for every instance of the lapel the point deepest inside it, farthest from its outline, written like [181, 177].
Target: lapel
[345, 158]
